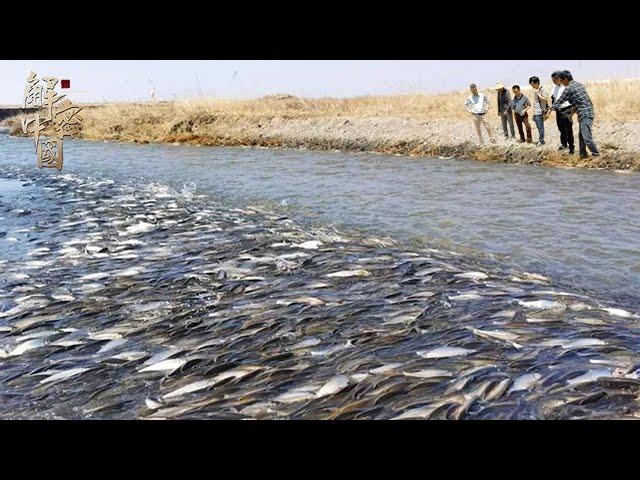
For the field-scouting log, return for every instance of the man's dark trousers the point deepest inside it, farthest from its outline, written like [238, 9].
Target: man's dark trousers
[565, 125]
[519, 122]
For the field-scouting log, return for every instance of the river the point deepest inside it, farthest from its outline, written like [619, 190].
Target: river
[579, 227]
[161, 281]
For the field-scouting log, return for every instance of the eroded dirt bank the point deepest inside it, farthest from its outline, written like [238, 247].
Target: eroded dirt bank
[619, 143]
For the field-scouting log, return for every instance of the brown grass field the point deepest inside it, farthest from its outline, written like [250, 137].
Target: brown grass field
[613, 101]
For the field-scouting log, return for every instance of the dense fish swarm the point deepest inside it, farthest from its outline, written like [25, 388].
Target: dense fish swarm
[138, 301]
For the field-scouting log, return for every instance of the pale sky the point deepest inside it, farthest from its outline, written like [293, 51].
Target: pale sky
[126, 80]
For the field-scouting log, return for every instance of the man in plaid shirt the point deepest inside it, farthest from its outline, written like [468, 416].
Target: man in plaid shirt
[577, 96]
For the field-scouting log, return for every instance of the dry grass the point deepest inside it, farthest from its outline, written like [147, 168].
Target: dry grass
[613, 101]
[230, 122]
[617, 101]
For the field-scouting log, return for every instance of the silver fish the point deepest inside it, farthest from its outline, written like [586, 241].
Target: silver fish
[333, 386]
[444, 352]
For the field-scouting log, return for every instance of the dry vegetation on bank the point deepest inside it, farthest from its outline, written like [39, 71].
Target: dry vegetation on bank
[613, 101]
[413, 124]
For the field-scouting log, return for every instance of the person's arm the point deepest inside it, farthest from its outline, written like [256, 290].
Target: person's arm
[508, 105]
[467, 105]
[527, 105]
[541, 95]
[561, 99]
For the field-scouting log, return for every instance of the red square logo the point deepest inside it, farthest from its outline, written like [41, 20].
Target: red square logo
[65, 83]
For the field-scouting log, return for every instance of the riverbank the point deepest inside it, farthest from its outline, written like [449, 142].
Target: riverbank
[414, 125]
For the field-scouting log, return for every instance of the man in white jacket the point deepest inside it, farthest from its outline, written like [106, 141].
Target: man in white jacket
[478, 105]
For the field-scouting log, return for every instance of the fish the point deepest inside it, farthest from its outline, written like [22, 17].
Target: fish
[130, 272]
[112, 344]
[590, 321]
[466, 296]
[309, 245]
[358, 377]
[542, 305]
[129, 356]
[425, 294]
[468, 399]
[429, 373]
[293, 397]
[104, 335]
[63, 297]
[318, 285]
[170, 365]
[445, 352]
[95, 276]
[535, 277]
[258, 408]
[182, 306]
[26, 347]
[540, 320]
[579, 306]
[64, 375]
[619, 312]
[385, 368]
[590, 376]
[524, 382]
[428, 271]
[301, 300]
[310, 342]
[329, 350]
[152, 404]
[583, 342]
[498, 335]
[333, 385]
[498, 390]
[162, 355]
[141, 227]
[191, 387]
[349, 273]
[207, 383]
[473, 275]
[420, 413]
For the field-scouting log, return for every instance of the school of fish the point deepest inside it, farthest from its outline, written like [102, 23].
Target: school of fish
[139, 301]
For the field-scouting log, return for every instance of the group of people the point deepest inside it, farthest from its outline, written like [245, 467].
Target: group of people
[567, 98]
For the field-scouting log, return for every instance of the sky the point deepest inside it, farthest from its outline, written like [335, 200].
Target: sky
[132, 80]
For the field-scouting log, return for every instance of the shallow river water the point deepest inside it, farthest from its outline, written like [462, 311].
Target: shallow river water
[181, 282]
[581, 227]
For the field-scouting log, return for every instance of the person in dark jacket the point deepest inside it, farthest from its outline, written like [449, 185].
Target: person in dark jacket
[504, 110]
[563, 115]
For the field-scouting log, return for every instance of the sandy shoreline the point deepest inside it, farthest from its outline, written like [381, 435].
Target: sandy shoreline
[410, 135]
